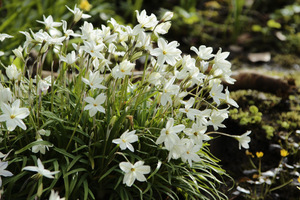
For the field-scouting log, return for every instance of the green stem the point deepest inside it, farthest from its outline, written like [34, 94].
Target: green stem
[280, 186]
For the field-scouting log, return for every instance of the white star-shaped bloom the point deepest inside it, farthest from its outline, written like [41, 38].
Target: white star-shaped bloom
[3, 36]
[40, 147]
[146, 21]
[197, 133]
[40, 169]
[13, 115]
[205, 53]
[78, 14]
[94, 80]
[55, 196]
[3, 171]
[243, 140]
[126, 139]
[190, 112]
[166, 52]
[49, 23]
[168, 135]
[190, 153]
[123, 69]
[169, 90]
[95, 104]
[70, 58]
[216, 92]
[133, 172]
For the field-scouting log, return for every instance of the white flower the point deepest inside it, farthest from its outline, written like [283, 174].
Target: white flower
[146, 21]
[168, 135]
[166, 52]
[70, 58]
[133, 172]
[188, 110]
[126, 139]
[243, 140]
[12, 72]
[154, 78]
[3, 36]
[216, 92]
[68, 32]
[3, 171]
[167, 16]
[18, 52]
[177, 149]
[203, 52]
[123, 69]
[202, 118]
[28, 41]
[95, 104]
[49, 23]
[54, 196]
[229, 100]
[13, 115]
[197, 133]
[40, 147]
[220, 60]
[78, 14]
[93, 49]
[94, 80]
[143, 40]
[217, 117]
[5, 94]
[190, 152]
[44, 85]
[40, 169]
[168, 90]
[162, 28]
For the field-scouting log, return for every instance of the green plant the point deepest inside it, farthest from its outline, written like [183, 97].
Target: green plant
[96, 130]
[262, 183]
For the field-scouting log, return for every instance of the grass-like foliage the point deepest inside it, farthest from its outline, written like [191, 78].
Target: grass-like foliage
[95, 129]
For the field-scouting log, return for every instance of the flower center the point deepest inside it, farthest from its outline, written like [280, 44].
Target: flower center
[187, 152]
[167, 132]
[164, 52]
[186, 110]
[132, 169]
[122, 70]
[95, 104]
[12, 116]
[195, 134]
[123, 140]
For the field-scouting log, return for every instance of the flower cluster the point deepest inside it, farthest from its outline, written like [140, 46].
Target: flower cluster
[102, 104]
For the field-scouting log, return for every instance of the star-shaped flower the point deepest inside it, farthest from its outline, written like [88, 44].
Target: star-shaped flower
[40, 169]
[126, 139]
[95, 104]
[243, 140]
[13, 115]
[3, 171]
[166, 52]
[168, 135]
[133, 172]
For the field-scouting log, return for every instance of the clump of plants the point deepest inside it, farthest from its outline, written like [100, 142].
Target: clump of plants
[95, 129]
[253, 116]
